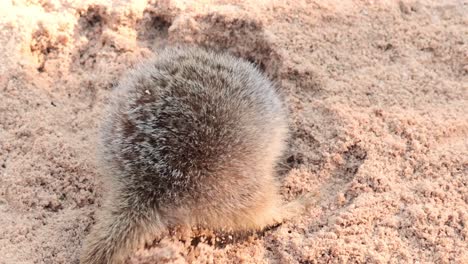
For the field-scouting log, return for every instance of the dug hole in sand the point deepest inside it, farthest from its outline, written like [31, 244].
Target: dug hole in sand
[378, 100]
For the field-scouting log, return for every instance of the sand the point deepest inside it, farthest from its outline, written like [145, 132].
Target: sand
[378, 99]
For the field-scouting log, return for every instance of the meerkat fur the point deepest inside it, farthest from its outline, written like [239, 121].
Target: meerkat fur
[191, 138]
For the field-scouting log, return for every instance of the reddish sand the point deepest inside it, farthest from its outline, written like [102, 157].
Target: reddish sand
[378, 94]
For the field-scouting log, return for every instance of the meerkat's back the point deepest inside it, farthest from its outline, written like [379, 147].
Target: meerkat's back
[190, 121]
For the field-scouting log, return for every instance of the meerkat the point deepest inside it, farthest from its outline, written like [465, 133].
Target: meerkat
[191, 138]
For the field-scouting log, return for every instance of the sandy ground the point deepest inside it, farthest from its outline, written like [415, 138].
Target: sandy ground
[378, 94]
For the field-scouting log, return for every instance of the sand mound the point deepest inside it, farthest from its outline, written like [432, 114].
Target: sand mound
[378, 94]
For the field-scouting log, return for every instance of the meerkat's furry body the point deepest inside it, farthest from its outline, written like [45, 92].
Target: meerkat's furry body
[192, 138]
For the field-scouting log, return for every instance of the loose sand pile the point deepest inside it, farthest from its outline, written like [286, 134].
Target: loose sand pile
[378, 94]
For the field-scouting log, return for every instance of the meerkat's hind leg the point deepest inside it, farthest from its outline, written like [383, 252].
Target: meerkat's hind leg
[273, 211]
[289, 210]
[296, 207]
[118, 233]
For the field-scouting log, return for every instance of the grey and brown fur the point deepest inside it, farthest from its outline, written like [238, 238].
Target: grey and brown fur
[191, 138]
